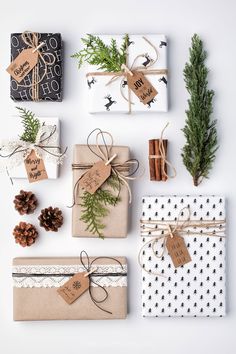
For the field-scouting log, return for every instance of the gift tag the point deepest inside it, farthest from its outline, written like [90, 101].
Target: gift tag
[35, 168]
[23, 64]
[177, 250]
[142, 88]
[95, 177]
[74, 287]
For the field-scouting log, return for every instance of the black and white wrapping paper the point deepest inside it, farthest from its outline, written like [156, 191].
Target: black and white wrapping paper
[198, 287]
[108, 98]
[50, 88]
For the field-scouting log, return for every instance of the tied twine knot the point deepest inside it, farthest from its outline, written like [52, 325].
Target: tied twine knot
[31, 39]
[103, 152]
[91, 270]
[161, 230]
[163, 157]
[126, 70]
[43, 145]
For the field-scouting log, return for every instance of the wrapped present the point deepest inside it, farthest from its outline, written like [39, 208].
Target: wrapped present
[36, 75]
[138, 81]
[42, 288]
[183, 256]
[105, 212]
[33, 151]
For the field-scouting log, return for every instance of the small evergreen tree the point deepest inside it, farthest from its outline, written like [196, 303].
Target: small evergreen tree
[200, 130]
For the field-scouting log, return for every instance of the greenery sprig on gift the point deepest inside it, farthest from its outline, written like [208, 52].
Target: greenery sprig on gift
[200, 130]
[106, 57]
[31, 125]
[94, 206]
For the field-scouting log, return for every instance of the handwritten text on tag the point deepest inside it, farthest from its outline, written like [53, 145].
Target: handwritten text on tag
[23, 64]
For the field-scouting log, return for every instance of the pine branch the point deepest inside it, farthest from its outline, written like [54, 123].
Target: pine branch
[94, 207]
[106, 57]
[200, 130]
[31, 125]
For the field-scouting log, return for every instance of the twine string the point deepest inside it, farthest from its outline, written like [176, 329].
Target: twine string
[46, 148]
[175, 227]
[125, 71]
[123, 171]
[87, 264]
[31, 39]
[163, 158]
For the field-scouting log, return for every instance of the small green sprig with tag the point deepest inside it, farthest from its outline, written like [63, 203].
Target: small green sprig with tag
[106, 57]
[95, 205]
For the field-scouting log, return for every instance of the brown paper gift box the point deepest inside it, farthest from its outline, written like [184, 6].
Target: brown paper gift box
[36, 297]
[117, 220]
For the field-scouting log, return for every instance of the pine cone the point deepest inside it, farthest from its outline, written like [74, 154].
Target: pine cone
[25, 202]
[51, 218]
[25, 234]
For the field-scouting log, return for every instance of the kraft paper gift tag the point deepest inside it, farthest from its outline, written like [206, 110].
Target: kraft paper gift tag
[117, 220]
[198, 287]
[103, 98]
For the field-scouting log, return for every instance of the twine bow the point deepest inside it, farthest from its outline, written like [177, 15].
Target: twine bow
[88, 266]
[120, 170]
[163, 158]
[31, 39]
[45, 147]
[161, 230]
[126, 71]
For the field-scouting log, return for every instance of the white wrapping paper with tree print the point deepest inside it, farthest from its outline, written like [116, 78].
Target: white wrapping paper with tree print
[108, 98]
[198, 287]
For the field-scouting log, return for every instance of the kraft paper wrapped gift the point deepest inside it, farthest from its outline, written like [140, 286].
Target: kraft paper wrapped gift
[197, 288]
[15, 129]
[36, 281]
[103, 98]
[49, 86]
[117, 220]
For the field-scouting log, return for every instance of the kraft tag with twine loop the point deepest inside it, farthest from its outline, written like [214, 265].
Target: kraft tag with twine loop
[80, 283]
[30, 60]
[96, 174]
[16, 152]
[172, 235]
[135, 75]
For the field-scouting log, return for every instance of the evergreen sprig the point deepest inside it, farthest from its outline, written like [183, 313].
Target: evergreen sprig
[94, 206]
[200, 130]
[106, 57]
[31, 125]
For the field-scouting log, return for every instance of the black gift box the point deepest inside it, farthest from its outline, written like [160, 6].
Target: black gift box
[50, 87]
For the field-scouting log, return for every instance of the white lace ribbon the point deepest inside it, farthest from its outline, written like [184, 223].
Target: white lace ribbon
[14, 152]
[54, 276]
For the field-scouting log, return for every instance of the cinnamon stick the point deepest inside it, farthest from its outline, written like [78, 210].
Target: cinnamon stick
[163, 176]
[157, 161]
[151, 160]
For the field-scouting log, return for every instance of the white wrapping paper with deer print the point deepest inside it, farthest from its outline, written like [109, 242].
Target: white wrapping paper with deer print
[112, 98]
[197, 288]
[14, 131]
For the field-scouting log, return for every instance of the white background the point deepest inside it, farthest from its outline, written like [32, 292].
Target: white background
[215, 22]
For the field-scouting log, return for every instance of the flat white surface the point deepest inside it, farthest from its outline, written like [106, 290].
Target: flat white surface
[215, 22]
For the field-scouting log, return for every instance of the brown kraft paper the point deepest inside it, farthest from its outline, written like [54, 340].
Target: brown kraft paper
[37, 304]
[117, 220]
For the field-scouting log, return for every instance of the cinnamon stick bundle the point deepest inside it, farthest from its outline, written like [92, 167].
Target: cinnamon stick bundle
[157, 166]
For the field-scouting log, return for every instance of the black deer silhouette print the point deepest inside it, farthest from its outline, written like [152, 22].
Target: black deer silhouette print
[150, 102]
[91, 82]
[162, 44]
[124, 83]
[163, 79]
[109, 103]
[129, 42]
[148, 60]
